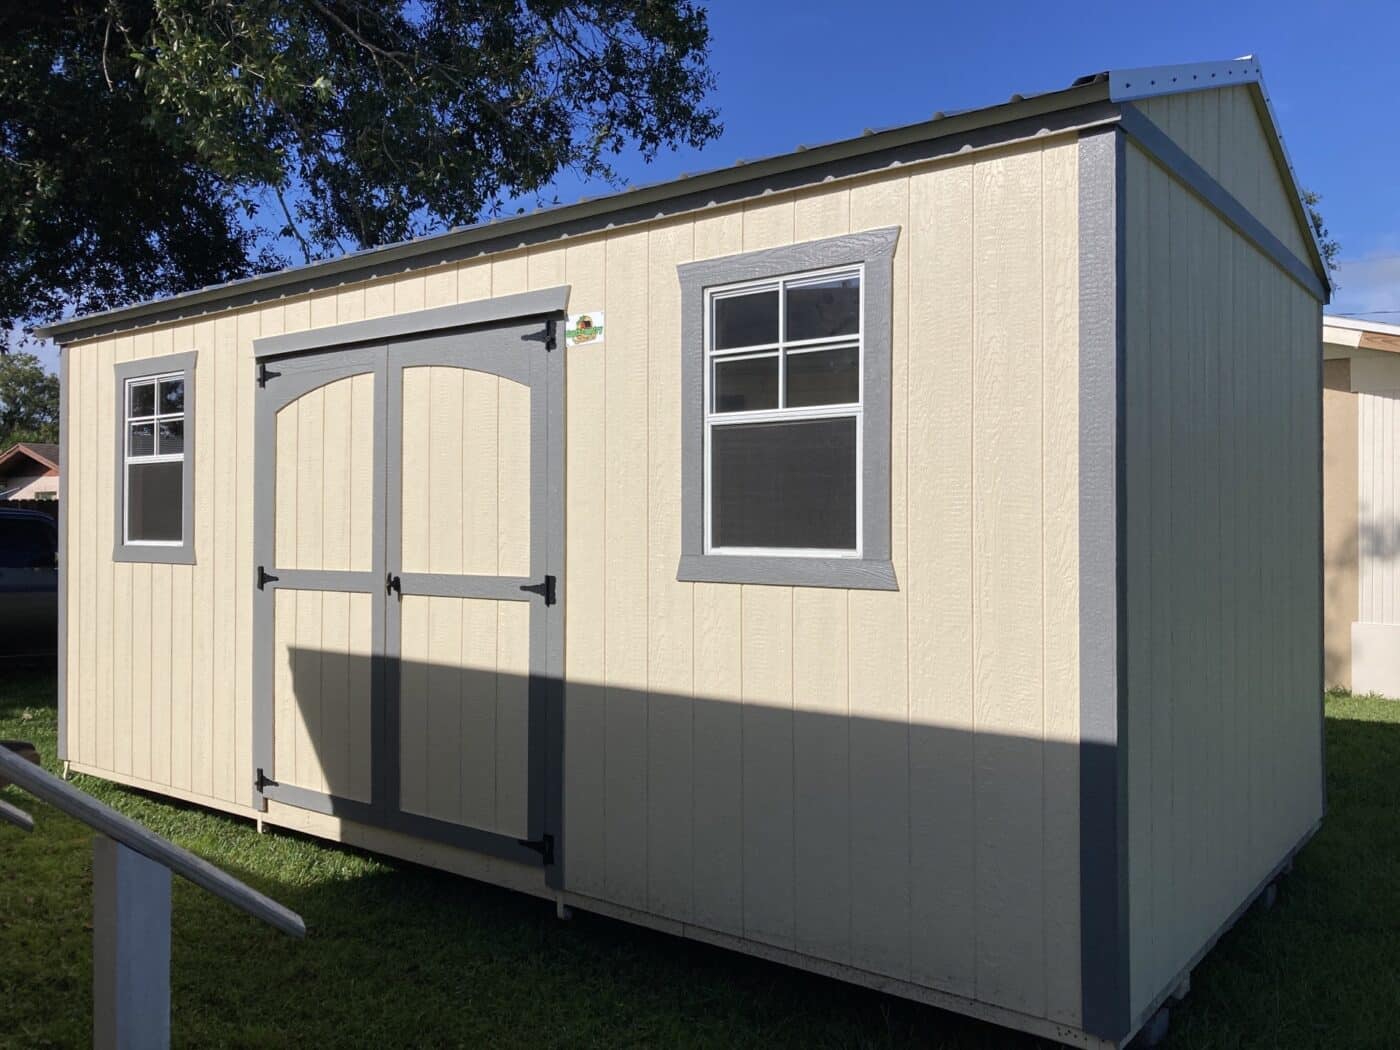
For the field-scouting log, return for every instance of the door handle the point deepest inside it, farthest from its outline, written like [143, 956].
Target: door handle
[393, 584]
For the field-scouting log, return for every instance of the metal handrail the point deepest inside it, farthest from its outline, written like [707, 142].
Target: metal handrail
[102, 818]
[16, 816]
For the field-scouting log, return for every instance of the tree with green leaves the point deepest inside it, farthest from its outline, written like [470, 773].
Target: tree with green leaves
[28, 401]
[1326, 243]
[151, 146]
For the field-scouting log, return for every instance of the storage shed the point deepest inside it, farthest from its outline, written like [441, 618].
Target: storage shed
[898, 558]
[1361, 504]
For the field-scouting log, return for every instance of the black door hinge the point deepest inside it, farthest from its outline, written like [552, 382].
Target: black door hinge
[264, 578]
[550, 338]
[265, 373]
[545, 588]
[262, 781]
[392, 583]
[543, 846]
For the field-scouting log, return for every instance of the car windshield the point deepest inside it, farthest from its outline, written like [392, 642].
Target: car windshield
[26, 543]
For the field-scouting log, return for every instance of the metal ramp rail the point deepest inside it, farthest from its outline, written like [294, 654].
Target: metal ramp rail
[131, 869]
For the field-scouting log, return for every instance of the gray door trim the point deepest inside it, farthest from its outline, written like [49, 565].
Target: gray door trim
[519, 352]
[288, 381]
[539, 303]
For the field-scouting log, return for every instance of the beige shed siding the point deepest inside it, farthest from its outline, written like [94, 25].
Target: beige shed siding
[1223, 133]
[1223, 592]
[883, 779]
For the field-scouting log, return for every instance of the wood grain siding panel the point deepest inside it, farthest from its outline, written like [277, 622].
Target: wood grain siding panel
[1008, 583]
[625, 568]
[717, 729]
[943, 868]
[878, 655]
[670, 603]
[1060, 558]
[1222, 592]
[585, 625]
[879, 779]
[1223, 132]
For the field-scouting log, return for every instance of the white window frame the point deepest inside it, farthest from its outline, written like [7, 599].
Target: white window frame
[128, 457]
[783, 413]
[127, 375]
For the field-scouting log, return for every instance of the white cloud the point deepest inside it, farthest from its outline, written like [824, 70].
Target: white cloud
[1368, 285]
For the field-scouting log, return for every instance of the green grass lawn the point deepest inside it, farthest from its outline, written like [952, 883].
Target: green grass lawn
[398, 954]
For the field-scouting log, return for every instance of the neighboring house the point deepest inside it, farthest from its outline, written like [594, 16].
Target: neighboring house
[29, 470]
[921, 587]
[1361, 504]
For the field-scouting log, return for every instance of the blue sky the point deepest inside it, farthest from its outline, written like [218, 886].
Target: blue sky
[792, 73]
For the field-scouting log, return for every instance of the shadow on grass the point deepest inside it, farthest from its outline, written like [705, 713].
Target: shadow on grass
[402, 955]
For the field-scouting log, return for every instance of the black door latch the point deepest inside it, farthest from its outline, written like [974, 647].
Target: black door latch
[392, 584]
[545, 588]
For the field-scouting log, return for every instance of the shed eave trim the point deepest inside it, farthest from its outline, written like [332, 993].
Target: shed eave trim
[1164, 150]
[1127, 85]
[541, 303]
[446, 247]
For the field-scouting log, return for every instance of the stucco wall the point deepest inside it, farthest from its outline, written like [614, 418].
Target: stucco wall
[1339, 520]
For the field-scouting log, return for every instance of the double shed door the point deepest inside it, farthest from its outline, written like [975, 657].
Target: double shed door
[406, 614]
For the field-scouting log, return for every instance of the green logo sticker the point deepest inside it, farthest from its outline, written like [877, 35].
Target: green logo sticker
[584, 329]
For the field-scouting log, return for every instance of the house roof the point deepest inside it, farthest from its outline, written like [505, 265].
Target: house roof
[1093, 96]
[43, 453]
[1359, 334]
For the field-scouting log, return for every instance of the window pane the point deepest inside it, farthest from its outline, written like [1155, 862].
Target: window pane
[824, 377]
[172, 436]
[746, 385]
[746, 320]
[154, 501]
[818, 311]
[784, 484]
[143, 399]
[172, 395]
[143, 439]
[26, 543]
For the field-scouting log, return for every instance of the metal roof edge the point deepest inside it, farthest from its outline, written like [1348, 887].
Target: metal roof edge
[1128, 85]
[434, 250]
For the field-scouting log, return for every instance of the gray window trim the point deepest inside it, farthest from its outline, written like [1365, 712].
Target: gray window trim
[151, 366]
[873, 570]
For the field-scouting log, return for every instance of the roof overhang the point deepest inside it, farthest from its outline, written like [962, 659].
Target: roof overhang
[1127, 85]
[22, 450]
[1083, 104]
[1352, 334]
[1089, 101]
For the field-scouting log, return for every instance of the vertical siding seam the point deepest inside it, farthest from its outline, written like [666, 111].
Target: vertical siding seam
[850, 787]
[602, 409]
[646, 563]
[1044, 615]
[792, 757]
[972, 559]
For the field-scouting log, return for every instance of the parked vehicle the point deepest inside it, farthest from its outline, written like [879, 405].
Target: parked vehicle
[28, 584]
